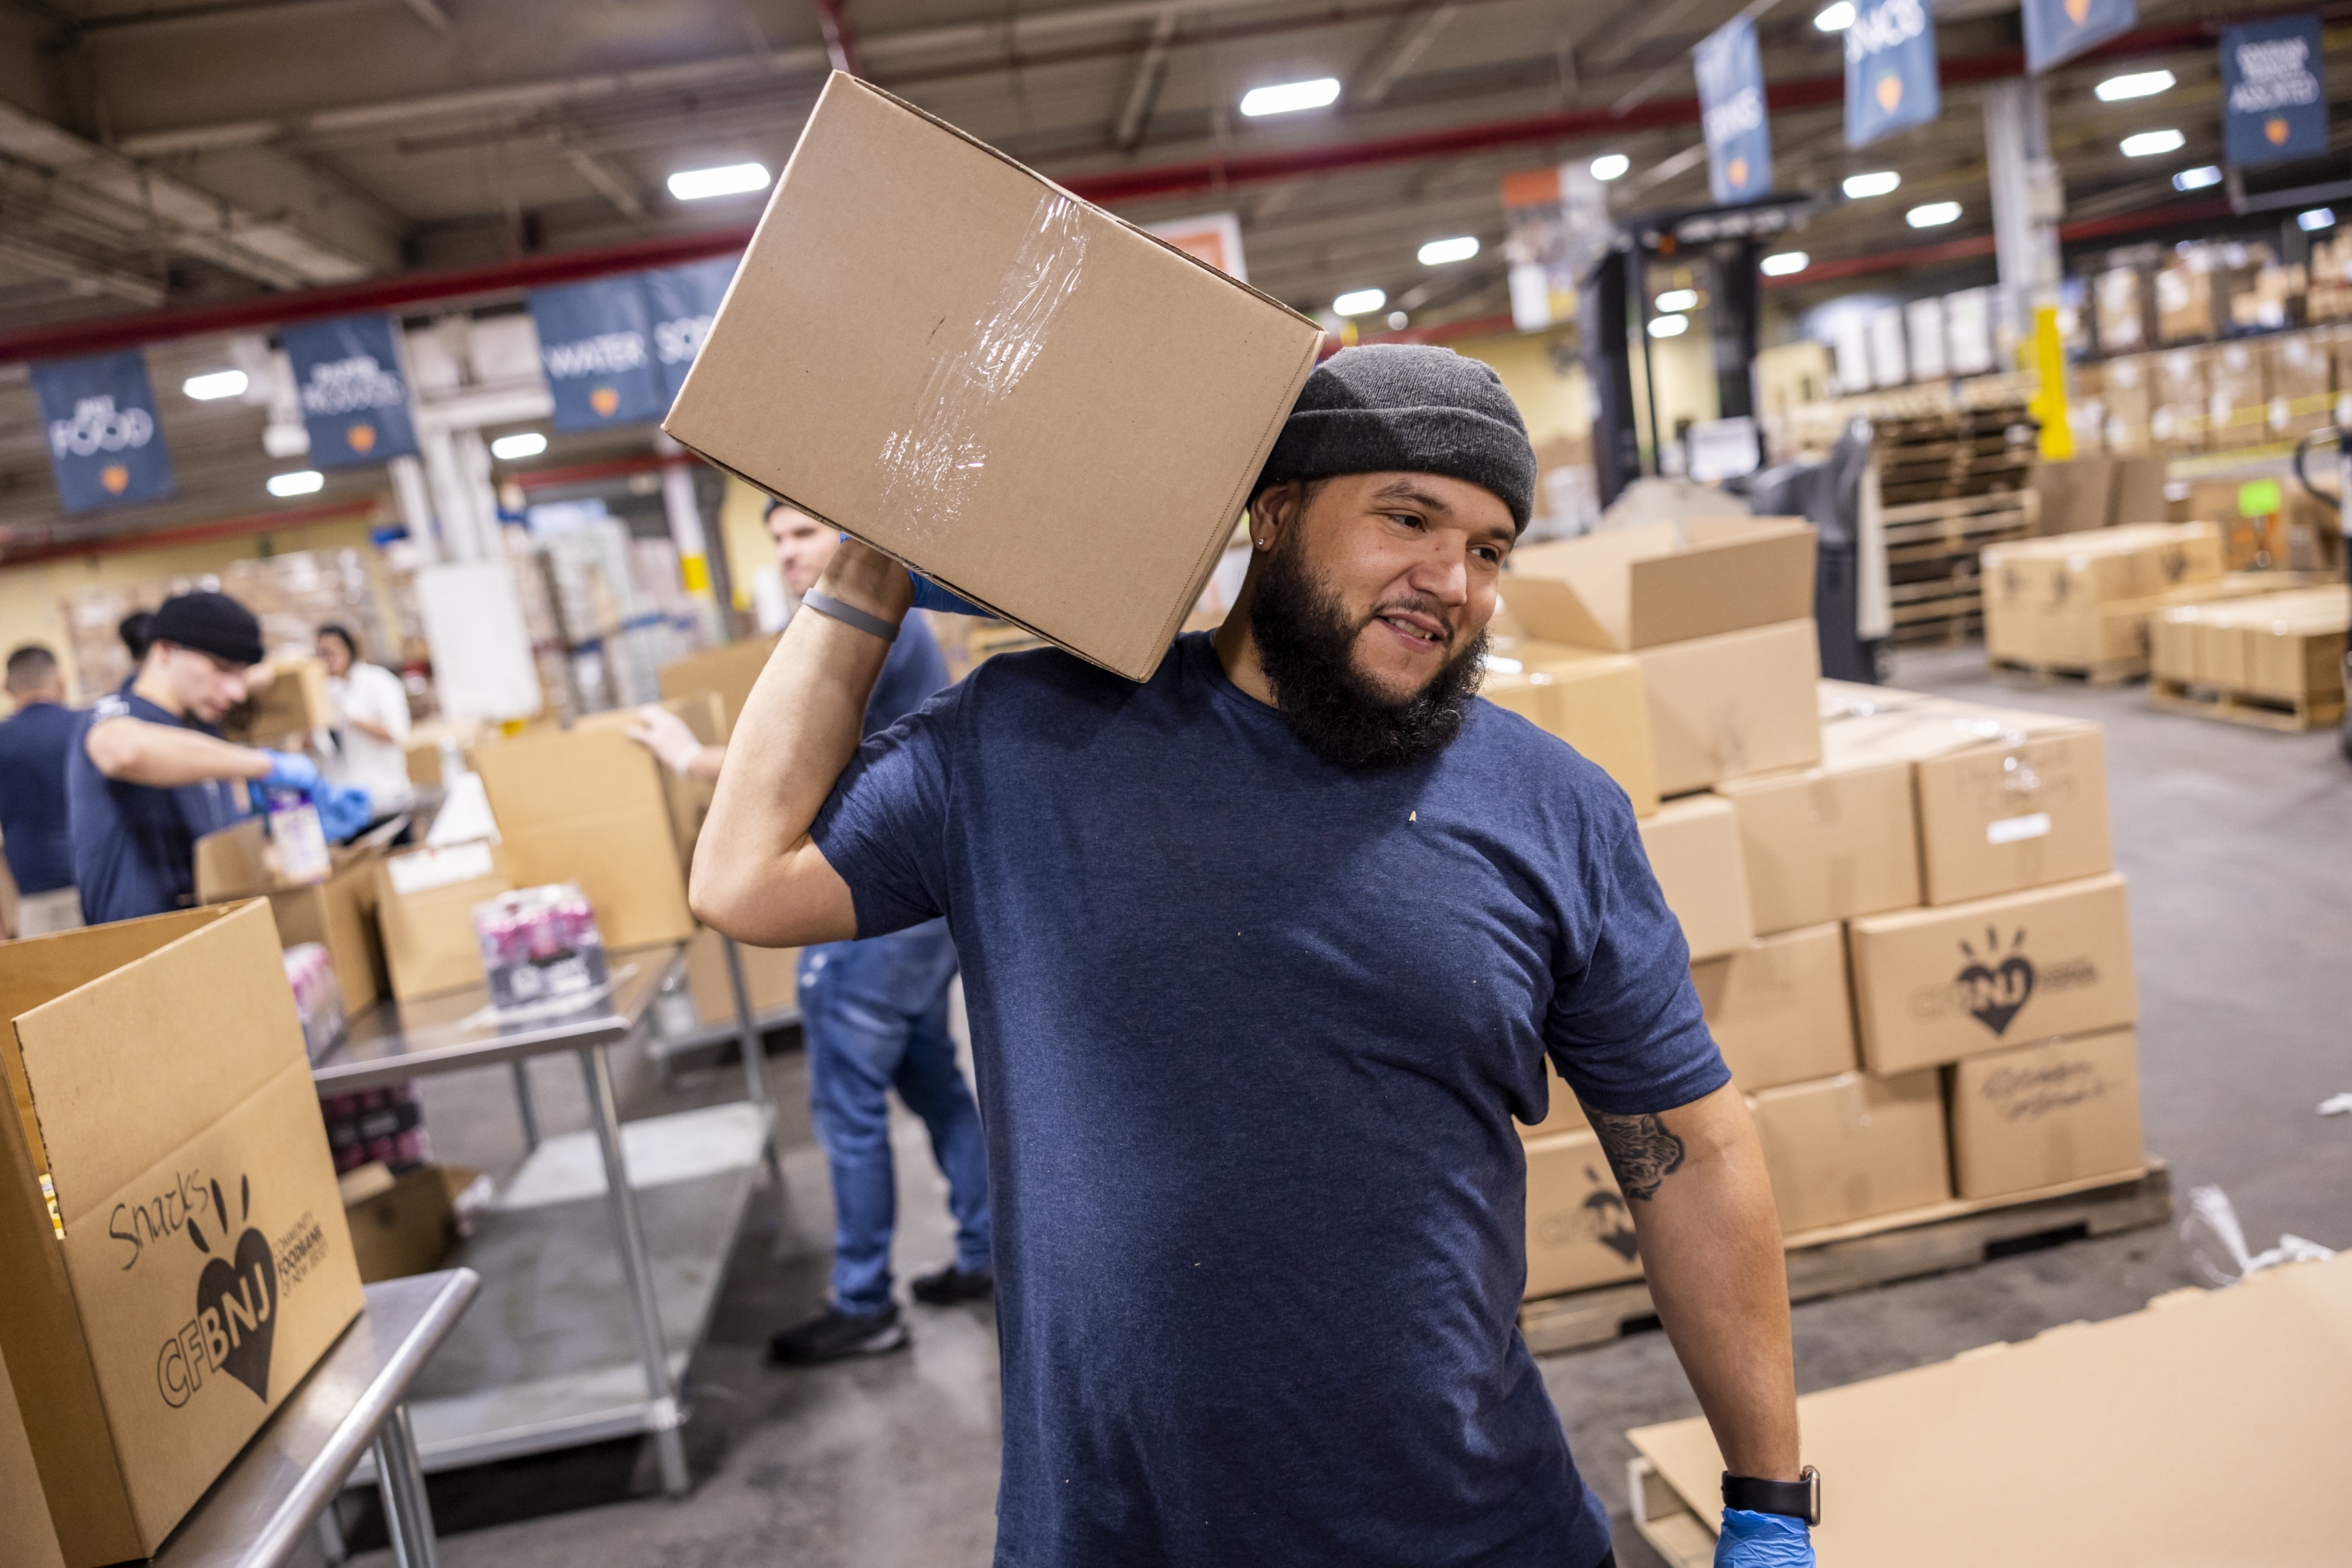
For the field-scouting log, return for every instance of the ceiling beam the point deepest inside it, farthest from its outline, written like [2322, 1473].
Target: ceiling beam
[1144, 91]
[87, 277]
[604, 181]
[1407, 40]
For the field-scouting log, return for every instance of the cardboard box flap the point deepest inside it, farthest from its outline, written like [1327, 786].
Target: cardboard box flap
[946, 370]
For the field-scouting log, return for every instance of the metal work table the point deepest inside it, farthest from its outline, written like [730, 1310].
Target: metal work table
[577, 1342]
[262, 1508]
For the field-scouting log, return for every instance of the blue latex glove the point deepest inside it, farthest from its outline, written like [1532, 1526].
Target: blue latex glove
[1762, 1541]
[291, 770]
[930, 595]
[343, 810]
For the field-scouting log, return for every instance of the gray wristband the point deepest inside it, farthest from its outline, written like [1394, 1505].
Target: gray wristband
[849, 616]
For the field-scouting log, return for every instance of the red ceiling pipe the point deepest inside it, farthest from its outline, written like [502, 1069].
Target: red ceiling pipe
[610, 468]
[1107, 186]
[2161, 216]
[197, 532]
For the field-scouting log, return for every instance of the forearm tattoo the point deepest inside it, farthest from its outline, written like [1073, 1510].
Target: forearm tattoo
[1639, 1149]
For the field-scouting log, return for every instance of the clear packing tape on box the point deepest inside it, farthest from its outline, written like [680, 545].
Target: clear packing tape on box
[925, 470]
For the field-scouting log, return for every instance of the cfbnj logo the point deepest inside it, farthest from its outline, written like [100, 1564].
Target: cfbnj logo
[237, 1301]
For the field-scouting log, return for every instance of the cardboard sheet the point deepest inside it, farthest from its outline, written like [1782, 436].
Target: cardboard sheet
[2210, 1429]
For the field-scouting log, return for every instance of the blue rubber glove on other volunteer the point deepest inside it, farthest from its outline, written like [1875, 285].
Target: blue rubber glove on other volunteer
[343, 811]
[1762, 1541]
[291, 770]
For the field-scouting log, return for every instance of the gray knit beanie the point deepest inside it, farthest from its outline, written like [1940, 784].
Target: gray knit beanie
[1407, 408]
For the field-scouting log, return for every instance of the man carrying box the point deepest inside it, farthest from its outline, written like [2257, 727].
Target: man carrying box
[152, 774]
[875, 1016]
[34, 743]
[1263, 957]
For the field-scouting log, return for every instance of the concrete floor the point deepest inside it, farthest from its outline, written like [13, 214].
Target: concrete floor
[2238, 847]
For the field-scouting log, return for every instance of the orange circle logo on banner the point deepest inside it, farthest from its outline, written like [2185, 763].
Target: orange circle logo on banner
[361, 438]
[604, 400]
[1737, 170]
[115, 478]
[1890, 92]
[2276, 130]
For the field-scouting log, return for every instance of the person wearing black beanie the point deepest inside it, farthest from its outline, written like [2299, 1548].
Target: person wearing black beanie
[1264, 957]
[152, 774]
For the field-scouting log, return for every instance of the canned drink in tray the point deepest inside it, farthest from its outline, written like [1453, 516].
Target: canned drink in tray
[540, 945]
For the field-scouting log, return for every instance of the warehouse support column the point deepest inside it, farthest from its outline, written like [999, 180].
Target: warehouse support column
[694, 560]
[2028, 200]
[416, 502]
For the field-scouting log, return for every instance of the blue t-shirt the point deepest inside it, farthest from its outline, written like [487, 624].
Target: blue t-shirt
[1251, 1032]
[32, 748]
[135, 848]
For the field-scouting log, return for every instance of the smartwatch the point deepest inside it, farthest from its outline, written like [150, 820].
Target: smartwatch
[1799, 1499]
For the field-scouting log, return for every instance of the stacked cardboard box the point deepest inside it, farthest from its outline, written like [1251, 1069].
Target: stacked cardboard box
[2084, 601]
[2284, 649]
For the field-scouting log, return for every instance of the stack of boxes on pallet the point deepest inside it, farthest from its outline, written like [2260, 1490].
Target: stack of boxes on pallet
[2082, 604]
[2275, 661]
[1902, 920]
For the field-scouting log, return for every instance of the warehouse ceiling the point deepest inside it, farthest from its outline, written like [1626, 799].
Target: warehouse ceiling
[173, 153]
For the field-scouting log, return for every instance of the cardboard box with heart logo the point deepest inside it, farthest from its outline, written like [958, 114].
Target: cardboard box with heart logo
[1942, 985]
[169, 1220]
[1579, 1232]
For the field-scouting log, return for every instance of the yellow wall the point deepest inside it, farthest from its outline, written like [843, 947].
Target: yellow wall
[1553, 402]
[30, 596]
[743, 534]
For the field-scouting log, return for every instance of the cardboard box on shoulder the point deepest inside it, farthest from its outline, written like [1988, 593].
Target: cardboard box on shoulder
[1730, 706]
[1593, 701]
[2066, 1111]
[1852, 1147]
[1932, 986]
[1781, 1011]
[1827, 843]
[920, 377]
[588, 806]
[1693, 846]
[1579, 1232]
[338, 913]
[169, 1216]
[425, 907]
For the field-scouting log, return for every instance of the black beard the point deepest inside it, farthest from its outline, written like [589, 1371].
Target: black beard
[1305, 644]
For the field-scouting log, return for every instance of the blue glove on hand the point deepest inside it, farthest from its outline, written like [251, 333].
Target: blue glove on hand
[930, 595]
[291, 770]
[1762, 1541]
[343, 810]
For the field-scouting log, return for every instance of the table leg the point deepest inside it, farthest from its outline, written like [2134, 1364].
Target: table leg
[407, 1515]
[526, 1104]
[636, 1271]
[755, 1062]
[328, 1529]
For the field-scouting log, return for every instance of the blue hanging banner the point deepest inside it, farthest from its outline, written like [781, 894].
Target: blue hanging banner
[2058, 30]
[1890, 70]
[98, 417]
[2272, 107]
[354, 399]
[681, 300]
[1731, 100]
[595, 345]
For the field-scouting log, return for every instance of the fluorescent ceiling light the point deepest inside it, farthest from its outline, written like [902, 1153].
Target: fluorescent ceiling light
[1359, 302]
[1879, 183]
[218, 384]
[525, 444]
[1438, 252]
[1933, 214]
[2317, 217]
[1678, 299]
[1669, 326]
[297, 484]
[2197, 179]
[2148, 143]
[1290, 96]
[1784, 263]
[1609, 165]
[728, 180]
[1834, 18]
[2139, 84]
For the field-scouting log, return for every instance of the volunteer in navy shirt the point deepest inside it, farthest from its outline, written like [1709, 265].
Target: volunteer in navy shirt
[875, 1017]
[152, 774]
[1263, 957]
[34, 742]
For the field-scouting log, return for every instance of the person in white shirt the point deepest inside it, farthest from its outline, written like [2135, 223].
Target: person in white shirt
[371, 724]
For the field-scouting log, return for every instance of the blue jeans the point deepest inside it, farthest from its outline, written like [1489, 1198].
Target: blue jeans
[875, 1015]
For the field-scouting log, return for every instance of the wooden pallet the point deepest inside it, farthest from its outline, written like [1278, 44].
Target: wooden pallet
[1957, 1234]
[2108, 672]
[2289, 716]
[1660, 1516]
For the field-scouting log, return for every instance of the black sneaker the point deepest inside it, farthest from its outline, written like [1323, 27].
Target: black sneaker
[839, 1336]
[951, 1285]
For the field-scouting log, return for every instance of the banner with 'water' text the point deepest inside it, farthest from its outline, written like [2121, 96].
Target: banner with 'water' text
[681, 301]
[595, 343]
